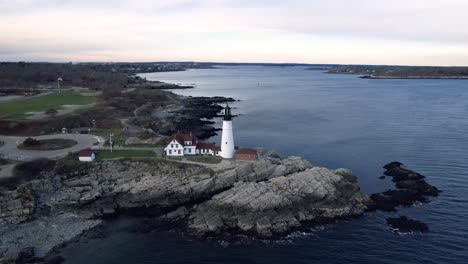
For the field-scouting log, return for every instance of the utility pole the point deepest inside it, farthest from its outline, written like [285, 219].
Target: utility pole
[58, 84]
[110, 142]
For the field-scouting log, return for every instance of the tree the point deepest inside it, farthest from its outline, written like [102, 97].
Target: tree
[51, 111]
[31, 142]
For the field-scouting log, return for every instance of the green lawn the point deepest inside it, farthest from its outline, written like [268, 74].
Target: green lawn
[123, 153]
[205, 159]
[18, 109]
[118, 137]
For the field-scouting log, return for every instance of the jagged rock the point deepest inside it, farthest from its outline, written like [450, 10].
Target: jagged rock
[410, 188]
[421, 187]
[279, 205]
[267, 153]
[389, 200]
[26, 255]
[398, 173]
[42, 235]
[348, 174]
[16, 206]
[404, 224]
[267, 197]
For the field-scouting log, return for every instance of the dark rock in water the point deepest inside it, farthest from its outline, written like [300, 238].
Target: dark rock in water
[404, 224]
[411, 188]
[398, 173]
[382, 177]
[391, 165]
[421, 187]
[389, 200]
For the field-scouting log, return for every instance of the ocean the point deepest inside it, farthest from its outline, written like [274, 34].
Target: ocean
[335, 121]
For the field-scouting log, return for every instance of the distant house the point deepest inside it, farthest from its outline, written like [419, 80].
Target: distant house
[86, 155]
[187, 144]
[246, 154]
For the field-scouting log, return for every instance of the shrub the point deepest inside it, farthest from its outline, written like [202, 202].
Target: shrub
[31, 142]
[71, 166]
[3, 161]
[27, 171]
[51, 111]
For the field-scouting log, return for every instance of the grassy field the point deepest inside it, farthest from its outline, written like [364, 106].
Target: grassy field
[20, 108]
[205, 159]
[119, 136]
[123, 153]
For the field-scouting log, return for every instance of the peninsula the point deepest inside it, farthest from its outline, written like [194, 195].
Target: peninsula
[51, 200]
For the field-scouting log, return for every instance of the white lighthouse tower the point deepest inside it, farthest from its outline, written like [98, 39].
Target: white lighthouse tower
[227, 139]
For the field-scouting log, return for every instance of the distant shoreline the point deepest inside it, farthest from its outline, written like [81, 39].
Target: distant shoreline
[414, 77]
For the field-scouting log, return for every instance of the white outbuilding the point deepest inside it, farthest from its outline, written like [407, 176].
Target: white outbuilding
[86, 155]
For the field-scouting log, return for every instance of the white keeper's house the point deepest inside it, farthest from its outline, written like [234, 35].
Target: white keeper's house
[187, 144]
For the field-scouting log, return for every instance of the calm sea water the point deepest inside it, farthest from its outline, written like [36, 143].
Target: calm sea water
[333, 121]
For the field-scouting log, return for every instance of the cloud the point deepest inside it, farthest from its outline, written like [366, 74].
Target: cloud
[315, 31]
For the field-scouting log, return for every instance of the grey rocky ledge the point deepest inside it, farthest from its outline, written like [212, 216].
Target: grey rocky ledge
[265, 198]
[277, 206]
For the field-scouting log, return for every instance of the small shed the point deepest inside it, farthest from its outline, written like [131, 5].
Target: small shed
[246, 154]
[86, 155]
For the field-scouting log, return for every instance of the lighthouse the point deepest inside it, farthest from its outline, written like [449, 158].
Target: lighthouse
[227, 139]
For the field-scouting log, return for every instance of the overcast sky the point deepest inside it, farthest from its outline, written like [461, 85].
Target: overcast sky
[407, 32]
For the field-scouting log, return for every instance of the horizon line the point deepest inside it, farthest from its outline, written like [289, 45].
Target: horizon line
[239, 63]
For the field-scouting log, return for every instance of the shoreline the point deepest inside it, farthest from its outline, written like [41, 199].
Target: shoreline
[211, 193]
[413, 77]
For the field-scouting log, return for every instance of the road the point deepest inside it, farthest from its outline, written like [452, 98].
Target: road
[10, 150]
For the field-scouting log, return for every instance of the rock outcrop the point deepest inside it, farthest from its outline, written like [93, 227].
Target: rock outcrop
[268, 197]
[405, 225]
[281, 204]
[411, 187]
[16, 206]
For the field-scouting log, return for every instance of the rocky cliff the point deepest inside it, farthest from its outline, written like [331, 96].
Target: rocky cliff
[265, 198]
[281, 204]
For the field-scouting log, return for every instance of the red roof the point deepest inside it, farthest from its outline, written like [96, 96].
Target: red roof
[86, 153]
[182, 138]
[248, 151]
[208, 146]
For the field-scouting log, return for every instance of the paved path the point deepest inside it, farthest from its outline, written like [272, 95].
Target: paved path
[11, 98]
[10, 150]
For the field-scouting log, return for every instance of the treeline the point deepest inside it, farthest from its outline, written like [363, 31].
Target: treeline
[30, 75]
[99, 76]
[403, 71]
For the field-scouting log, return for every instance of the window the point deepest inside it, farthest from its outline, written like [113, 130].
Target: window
[172, 145]
[170, 151]
[178, 151]
[226, 142]
[189, 150]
